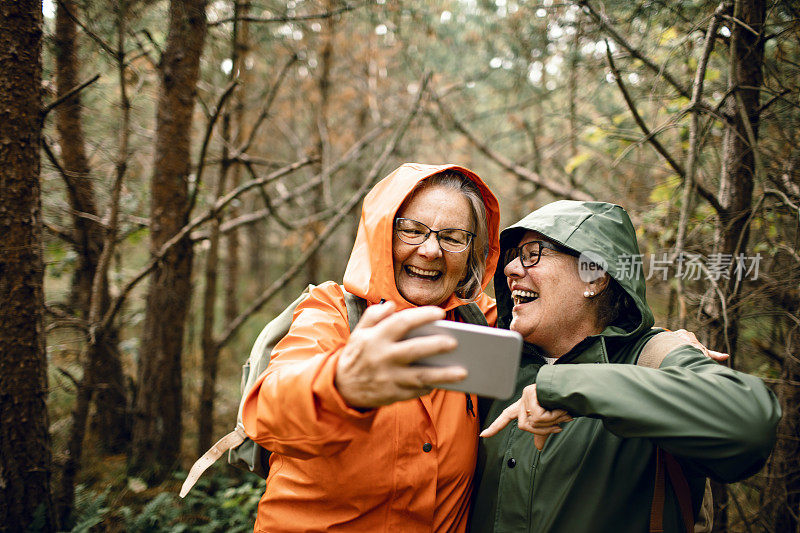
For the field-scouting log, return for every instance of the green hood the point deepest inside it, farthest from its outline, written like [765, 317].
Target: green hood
[600, 231]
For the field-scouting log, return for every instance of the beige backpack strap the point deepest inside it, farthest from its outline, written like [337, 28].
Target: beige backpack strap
[657, 348]
[231, 440]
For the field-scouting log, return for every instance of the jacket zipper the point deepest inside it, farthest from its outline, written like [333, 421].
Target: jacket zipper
[534, 469]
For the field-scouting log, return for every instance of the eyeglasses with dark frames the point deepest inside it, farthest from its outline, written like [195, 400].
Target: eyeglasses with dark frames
[530, 253]
[450, 239]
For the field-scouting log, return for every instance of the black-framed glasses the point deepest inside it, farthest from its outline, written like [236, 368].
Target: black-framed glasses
[450, 239]
[531, 252]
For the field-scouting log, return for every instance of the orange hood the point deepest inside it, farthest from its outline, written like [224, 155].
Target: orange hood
[370, 273]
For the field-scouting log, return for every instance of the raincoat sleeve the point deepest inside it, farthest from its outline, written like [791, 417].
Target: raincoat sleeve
[294, 408]
[716, 420]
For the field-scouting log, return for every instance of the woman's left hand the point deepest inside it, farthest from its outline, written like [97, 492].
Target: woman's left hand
[530, 417]
[690, 338]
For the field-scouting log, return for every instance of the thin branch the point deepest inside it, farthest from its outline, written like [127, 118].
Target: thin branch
[785, 199]
[694, 125]
[144, 51]
[348, 156]
[64, 372]
[345, 209]
[96, 38]
[267, 105]
[207, 139]
[72, 92]
[554, 187]
[742, 24]
[61, 233]
[638, 118]
[147, 34]
[197, 221]
[121, 166]
[604, 23]
[296, 18]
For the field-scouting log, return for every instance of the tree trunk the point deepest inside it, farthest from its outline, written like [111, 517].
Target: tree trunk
[736, 183]
[242, 128]
[157, 425]
[88, 234]
[321, 140]
[25, 461]
[781, 495]
[111, 423]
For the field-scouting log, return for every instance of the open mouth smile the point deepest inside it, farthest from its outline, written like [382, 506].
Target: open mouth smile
[416, 272]
[523, 296]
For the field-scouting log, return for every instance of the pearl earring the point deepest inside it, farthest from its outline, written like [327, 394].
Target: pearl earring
[588, 294]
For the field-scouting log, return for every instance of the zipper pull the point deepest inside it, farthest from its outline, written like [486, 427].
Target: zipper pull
[470, 409]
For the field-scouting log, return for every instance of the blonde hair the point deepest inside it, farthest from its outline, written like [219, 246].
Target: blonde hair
[468, 288]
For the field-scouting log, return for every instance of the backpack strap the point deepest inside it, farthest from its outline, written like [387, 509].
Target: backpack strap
[231, 440]
[355, 308]
[652, 355]
[657, 506]
[472, 314]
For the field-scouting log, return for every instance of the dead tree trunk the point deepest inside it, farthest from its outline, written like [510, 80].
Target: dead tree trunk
[781, 497]
[210, 346]
[111, 423]
[736, 183]
[241, 124]
[87, 232]
[25, 461]
[157, 426]
[321, 140]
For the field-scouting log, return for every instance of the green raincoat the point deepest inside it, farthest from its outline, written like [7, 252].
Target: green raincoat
[597, 475]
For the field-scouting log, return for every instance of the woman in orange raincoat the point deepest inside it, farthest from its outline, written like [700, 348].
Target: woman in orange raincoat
[359, 439]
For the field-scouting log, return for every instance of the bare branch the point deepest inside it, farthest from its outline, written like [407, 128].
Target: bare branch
[96, 38]
[350, 155]
[61, 233]
[604, 23]
[201, 160]
[267, 105]
[121, 166]
[208, 215]
[554, 187]
[344, 210]
[72, 92]
[785, 199]
[689, 182]
[638, 118]
[297, 18]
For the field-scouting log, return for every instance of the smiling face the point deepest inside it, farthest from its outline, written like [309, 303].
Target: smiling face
[550, 310]
[425, 274]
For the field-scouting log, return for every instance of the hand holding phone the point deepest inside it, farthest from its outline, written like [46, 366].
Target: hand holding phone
[491, 356]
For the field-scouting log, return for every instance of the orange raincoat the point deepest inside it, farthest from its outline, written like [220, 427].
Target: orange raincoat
[406, 467]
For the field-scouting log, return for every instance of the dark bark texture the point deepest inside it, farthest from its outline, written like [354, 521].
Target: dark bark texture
[736, 182]
[157, 425]
[111, 423]
[25, 467]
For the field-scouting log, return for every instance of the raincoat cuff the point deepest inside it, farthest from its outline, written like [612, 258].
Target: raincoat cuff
[331, 400]
[545, 393]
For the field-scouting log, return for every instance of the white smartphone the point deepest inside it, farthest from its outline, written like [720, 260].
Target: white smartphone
[490, 355]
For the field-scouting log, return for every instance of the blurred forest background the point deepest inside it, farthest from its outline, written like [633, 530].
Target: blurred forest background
[175, 172]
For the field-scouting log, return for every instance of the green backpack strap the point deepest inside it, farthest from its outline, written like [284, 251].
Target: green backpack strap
[355, 308]
[472, 314]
